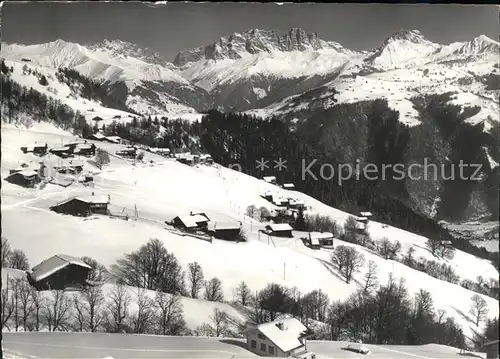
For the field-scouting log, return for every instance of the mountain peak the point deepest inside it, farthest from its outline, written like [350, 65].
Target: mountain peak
[252, 42]
[124, 48]
[414, 36]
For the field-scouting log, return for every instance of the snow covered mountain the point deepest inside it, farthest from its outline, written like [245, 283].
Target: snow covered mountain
[152, 85]
[272, 73]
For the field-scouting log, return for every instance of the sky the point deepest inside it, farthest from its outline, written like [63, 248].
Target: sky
[174, 27]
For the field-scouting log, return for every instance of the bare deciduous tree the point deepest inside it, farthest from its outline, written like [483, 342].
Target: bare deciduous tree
[220, 322]
[56, 312]
[213, 290]
[38, 303]
[348, 261]
[101, 157]
[18, 260]
[243, 294]
[195, 279]
[145, 313]
[433, 246]
[5, 252]
[118, 308]
[7, 301]
[170, 317]
[93, 299]
[98, 273]
[26, 303]
[371, 279]
[478, 309]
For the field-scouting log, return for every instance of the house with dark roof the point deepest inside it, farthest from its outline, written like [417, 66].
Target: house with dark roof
[279, 230]
[58, 273]
[283, 338]
[35, 148]
[83, 205]
[228, 231]
[24, 178]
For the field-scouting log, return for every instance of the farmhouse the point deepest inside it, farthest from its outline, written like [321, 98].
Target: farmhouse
[24, 177]
[319, 239]
[59, 272]
[35, 148]
[127, 152]
[85, 150]
[282, 338]
[191, 222]
[270, 179]
[228, 231]
[279, 230]
[491, 349]
[83, 205]
[62, 152]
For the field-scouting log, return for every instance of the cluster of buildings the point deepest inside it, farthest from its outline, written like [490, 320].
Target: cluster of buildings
[200, 222]
[80, 148]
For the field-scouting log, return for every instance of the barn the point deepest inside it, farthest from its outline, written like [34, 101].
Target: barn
[491, 349]
[62, 152]
[83, 205]
[228, 231]
[35, 148]
[279, 230]
[58, 273]
[24, 177]
[317, 240]
[194, 221]
[85, 150]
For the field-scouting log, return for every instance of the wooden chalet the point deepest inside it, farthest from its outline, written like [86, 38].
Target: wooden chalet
[228, 231]
[316, 240]
[85, 150]
[58, 273]
[63, 152]
[279, 230]
[24, 178]
[282, 338]
[83, 205]
[36, 149]
[192, 222]
[129, 152]
[491, 349]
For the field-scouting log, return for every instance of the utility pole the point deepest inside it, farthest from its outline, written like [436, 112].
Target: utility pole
[284, 269]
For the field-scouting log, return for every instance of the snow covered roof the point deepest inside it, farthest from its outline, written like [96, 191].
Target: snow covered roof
[269, 178]
[288, 185]
[98, 135]
[315, 241]
[54, 264]
[83, 147]
[366, 214]
[24, 173]
[101, 199]
[287, 337]
[114, 138]
[280, 227]
[192, 221]
[321, 235]
[60, 149]
[213, 226]
[33, 145]
[361, 219]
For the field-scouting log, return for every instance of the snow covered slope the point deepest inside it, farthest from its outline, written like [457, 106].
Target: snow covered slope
[153, 86]
[166, 189]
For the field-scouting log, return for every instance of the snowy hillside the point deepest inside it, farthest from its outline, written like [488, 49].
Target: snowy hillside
[166, 188]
